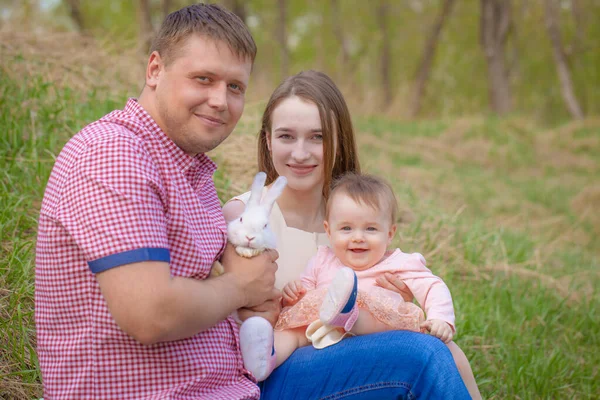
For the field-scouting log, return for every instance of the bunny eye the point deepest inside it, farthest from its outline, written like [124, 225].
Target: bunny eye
[240, 219]
[264, 227]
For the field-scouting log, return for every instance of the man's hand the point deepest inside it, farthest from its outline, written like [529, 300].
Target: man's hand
[292, 293]
[439, 328]
[391, 282]
[269, 310]
[254, 276]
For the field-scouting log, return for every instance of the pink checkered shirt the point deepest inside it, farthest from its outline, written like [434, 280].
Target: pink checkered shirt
[121, 192]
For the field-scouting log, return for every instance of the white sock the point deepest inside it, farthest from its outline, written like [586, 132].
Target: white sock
[256, 343]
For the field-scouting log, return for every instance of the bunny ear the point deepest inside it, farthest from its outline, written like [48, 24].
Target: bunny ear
[274, 192]
[257, 188]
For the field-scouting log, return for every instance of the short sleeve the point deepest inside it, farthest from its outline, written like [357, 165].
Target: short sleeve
[113, 205]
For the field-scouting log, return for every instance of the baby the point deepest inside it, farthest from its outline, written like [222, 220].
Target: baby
[337, 295]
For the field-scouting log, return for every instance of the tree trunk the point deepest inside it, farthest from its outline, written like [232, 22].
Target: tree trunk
[282, 38]
[166, 8]
[577, 44]
[560, 59]
[319, 42]
[339, 32]
[75, 11]
[424, 69]
[238, 7]
[145, 25]
[495, 25]
[386, 86]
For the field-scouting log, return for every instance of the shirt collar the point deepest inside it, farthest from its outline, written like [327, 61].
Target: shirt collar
[183, 160]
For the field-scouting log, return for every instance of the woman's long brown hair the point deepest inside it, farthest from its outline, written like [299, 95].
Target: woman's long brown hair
[319, 89]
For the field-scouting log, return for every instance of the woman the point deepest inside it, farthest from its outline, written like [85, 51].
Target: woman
[307, 136]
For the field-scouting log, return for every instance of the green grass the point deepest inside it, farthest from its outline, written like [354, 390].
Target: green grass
[37, 119]
[471, 215]
[521, 261]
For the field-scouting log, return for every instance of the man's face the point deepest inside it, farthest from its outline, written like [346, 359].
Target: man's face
[200, 94]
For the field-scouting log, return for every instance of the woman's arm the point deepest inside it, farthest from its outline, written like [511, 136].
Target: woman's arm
[391, 282]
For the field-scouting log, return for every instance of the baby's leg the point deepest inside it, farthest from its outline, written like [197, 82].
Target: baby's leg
[366, 323]
[286, 342]
[465, 370]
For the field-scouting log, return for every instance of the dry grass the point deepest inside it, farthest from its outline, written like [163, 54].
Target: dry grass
[444, 152]
[70, 60]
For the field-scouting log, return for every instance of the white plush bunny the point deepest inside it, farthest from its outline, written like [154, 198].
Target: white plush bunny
[250, 233]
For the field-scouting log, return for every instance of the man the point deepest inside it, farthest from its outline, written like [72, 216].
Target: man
[130, 225]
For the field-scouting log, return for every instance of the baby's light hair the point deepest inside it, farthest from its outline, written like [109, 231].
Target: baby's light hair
[369, 190]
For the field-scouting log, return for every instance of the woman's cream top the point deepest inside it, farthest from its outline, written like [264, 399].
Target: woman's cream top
[295, 246]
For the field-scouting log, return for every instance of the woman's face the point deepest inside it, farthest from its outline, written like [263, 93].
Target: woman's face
[296, 144]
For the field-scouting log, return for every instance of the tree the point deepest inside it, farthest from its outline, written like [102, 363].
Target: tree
[166, 8]
[282, 37]
[145, 25]
[74, 7]
[495, 24]
[384, 62]
[560, 60]
[424, 68]
[338, 31]
[577, 42]
[238, 7]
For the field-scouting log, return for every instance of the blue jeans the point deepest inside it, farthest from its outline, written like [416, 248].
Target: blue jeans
[388, 365]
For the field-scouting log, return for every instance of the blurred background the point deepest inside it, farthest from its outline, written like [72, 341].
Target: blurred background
[409, 58]
[484, 116]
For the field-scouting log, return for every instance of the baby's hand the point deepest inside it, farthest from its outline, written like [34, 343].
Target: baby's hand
[439, 328]
[292, 293]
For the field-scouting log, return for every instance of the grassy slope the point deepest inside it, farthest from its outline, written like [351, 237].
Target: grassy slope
[502, 211]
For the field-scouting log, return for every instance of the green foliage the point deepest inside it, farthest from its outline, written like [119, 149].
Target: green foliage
[497, 206]
[458, 83]
[37, 119]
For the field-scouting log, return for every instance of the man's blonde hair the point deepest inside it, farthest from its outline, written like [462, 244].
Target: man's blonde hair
[209, 20]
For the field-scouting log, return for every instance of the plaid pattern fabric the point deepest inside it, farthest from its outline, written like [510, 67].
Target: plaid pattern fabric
[120, 192]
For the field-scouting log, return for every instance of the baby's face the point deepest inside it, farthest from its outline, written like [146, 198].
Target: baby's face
[359, 235]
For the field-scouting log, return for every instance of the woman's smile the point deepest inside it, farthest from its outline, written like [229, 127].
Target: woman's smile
[301, 170]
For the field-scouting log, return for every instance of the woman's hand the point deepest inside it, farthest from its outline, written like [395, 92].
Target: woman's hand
[269, 310]
[440, 329]
[391, 282]
[292, 293]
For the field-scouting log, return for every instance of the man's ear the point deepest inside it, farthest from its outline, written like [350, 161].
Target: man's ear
[391, 233]
[154, 69]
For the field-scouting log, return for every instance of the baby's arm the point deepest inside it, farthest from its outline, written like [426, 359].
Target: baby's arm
[294, 291]
[440, 329]
[432, 294]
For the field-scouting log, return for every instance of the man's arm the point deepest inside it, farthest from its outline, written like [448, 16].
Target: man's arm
[152, 306]
[270, 309]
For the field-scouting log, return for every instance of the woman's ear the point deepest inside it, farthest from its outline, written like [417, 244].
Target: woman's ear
[268, 137]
